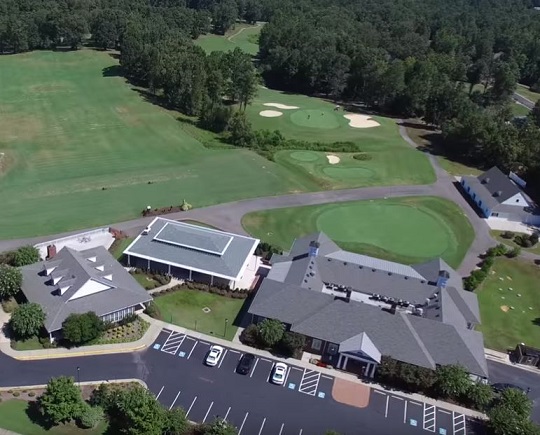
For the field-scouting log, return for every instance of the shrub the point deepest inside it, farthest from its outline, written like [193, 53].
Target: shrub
[487, 263]
[497, 251]
[534, 238]
[514, 252]
[10, 280]
[31, 394]
[25, 255]
[523, 240]
[250, 336]
[362, 156]
[27, 320]
[16, 394]
[130, 318]
[82, 328]
[9, 305]
[292, 342]
[508, 235]
[90, 416]
[152, 310]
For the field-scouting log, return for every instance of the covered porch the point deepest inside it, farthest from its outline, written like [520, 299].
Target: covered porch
[359, 354]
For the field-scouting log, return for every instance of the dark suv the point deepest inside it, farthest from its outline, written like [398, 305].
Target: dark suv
[245, 363]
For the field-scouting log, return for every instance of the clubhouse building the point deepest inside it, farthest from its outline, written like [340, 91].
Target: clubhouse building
[76, 282]
[354, 309]
[192, 252]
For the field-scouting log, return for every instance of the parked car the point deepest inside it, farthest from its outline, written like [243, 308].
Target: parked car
[214, 356]
[500, 387]
[278, 374]
[245, 364]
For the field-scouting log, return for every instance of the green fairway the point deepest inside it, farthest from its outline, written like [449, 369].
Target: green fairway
[82, 148]
[244, 36]
[391, 162]
[502, 326]
[185, 308]
[407, 230]
[18, 416]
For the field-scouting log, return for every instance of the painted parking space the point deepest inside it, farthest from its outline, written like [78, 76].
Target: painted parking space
[173, 342]
[417, 414]
[294, 378]
[262, 368]
[309, 382]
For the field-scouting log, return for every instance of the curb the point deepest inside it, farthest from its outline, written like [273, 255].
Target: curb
[77, 354]
[113, 381]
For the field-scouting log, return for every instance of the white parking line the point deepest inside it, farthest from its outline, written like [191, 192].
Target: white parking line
[412, 402]
[235, 351]
[398, 398]
[205, 342]
[192, 349]
[405, 413]
[281, 429]
[159, 394]
[379, 392]
[243, 422]
[191, 406]
[459, 423]
[286, 377]
[262, 426]
[297, 368]
[301, 430]
[429, 417]
[327, 377]
[173, 343]
[254, 366]
[309, 382]
[174, 401]
[444, 411]
[208, 412]
[386, 410]
[222, 358]
[227, 414]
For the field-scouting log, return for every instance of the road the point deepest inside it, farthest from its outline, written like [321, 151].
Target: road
[520, 99]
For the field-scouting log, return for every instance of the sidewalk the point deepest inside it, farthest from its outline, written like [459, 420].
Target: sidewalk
[504, 358]
[157, 325]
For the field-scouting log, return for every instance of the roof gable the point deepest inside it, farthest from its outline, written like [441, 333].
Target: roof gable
[498, 184]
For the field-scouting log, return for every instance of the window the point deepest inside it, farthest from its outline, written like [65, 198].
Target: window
[316, 344]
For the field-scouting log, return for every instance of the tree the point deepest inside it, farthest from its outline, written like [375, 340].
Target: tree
[516, 400]
[136, 411]
[271, 331]
[240, 131]
[535, 114]
[452, 380]
[10, 280]
[81, 328]
[90, 416]
[219, 427]
[224, 17]
[253, 11]
[25, 255]
[176, 422]
[481, 395]
[62, 401]
[27, 320]
[292, 342]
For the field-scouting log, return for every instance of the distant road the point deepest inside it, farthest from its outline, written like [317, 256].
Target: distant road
[520, 99]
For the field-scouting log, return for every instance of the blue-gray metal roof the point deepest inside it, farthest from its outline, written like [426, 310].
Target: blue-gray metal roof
[193, 247]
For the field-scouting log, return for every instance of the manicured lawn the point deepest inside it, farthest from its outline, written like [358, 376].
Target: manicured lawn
[145, 280]
[431, 140]
[244, 36]
[527, 93]
[118, 247]
[502, 326]
[185, 308]
[407, 230]
[497, 235]
[519, 110]
[29, 344]
[14, 417]
[70, 127]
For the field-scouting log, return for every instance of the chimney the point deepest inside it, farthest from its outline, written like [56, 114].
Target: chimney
[485, 180]
[443, 278]
[51, 251]
[314, 248]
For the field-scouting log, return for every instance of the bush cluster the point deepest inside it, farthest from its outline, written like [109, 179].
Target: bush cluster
[478, 276]
[362, 156]
[266, 250]
[286, 343]
[526, 240]
[215, 289]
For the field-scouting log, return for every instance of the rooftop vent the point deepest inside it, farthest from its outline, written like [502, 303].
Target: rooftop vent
[485, 180]
[498, 193]
[373, 270]
[344, 263]
[389, 273]
[145, 231]
[360, 267]
[406, 277]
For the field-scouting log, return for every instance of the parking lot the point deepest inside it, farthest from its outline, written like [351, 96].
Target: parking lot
[204, 406]
[418, 414]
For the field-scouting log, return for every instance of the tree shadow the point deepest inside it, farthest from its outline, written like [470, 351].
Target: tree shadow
[536, 321]
[34, 414]
[112, 71]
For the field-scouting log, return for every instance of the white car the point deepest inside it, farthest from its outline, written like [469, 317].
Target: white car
[214, 356]
[278, 375]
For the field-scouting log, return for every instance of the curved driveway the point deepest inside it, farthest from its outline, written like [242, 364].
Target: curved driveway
[228, 216]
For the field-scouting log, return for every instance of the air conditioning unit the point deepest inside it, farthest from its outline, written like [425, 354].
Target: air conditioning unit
[146, 231]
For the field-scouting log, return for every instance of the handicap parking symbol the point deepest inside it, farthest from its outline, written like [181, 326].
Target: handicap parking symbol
[181, 354]
[442, 431]
[291, 386]
[157, 346]
[413, 422]
[321, 395]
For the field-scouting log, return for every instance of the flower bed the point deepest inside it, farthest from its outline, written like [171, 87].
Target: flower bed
[127, 333]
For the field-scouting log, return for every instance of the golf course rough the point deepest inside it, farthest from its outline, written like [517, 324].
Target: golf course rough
[407, 230]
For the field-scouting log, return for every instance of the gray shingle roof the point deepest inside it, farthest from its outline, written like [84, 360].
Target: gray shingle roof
[76, 274]
[194, 247]
[498, 185]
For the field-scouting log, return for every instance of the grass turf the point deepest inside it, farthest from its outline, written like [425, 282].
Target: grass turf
[519, 110]
[496, 234]
[71, 128]
[527, 93]
[504, 330]
[406, 230]
[28, 344]
[184, 308]
[244, 36]
[14, 416]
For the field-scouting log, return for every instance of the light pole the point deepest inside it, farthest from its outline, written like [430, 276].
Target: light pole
[79, 376]
[226, 322]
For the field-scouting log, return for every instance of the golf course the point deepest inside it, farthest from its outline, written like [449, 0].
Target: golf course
[407, 230]
[243, 36]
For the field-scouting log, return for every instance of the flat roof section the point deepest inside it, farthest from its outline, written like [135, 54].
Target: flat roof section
[193, 237]
[192, 247]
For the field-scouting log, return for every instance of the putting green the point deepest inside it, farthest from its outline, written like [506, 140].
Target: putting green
[304, 156]
[348, 173]
[322, 119]
[408, 230]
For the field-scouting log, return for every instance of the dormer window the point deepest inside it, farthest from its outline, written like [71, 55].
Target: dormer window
[64, 289]
[108, 277]
[92, 259]
[49, 270]
[100, 268]
[56, 280]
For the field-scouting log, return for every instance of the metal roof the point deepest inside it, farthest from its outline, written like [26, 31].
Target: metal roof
[75, 272]
[193, 247]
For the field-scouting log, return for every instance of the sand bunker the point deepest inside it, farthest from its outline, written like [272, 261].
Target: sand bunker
[281, 106]
[270, 113]
[505, 308]
[332, 159]
[361, 121]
